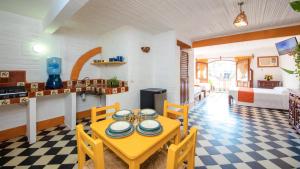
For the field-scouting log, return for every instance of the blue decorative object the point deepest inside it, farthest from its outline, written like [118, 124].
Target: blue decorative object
[54, 70]
[120, 58]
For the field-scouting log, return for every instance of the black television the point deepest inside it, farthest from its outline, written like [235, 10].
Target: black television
[286, 46]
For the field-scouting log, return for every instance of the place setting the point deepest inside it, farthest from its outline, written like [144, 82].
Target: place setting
[126, 122]
[119, 129]
[123, 115]
[149, 128]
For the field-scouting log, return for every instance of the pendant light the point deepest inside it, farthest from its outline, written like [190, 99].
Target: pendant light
[241, 19]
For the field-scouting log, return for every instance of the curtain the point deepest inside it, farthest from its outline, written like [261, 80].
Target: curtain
[202, 70]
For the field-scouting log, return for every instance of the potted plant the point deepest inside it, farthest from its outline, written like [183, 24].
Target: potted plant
[296, 55]
[295, 4]
[113, 82]
[268, 77]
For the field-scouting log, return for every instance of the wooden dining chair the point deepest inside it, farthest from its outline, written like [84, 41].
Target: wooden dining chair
[98, 113]
[99, 159]
[178, 156]
[176, 111]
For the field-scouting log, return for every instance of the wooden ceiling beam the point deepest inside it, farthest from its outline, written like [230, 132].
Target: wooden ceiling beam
[183, 45]
[264, 34]
[60, 12]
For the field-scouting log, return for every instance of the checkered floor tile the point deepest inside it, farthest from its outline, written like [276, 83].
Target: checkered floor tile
[55, 148]
[243, 137]
[229, 137]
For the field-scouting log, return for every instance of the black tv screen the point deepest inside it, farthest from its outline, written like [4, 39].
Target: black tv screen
[286, 46]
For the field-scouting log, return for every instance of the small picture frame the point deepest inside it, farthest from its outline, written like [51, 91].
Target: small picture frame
[4, 74]
[267, 61]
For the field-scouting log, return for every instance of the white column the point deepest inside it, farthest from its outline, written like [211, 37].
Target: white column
[31, 120]
[70, 111]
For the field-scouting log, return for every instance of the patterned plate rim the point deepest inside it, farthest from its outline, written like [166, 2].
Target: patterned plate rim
[116, 136]
[130, 113]
[149, 135]
[147, 129]
[121, 131]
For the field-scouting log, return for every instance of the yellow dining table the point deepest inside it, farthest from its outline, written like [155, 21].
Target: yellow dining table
[135, 149]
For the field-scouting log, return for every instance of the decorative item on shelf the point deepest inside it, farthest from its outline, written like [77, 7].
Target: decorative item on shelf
[145, 49]
[268, 77]
[54, 70]
[113, 82]
[241, 19]
[295, 4]
[120, 58]
[98, 61]
[116, 59]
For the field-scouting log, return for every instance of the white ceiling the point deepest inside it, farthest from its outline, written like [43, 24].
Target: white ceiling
[37, 9]
[192, 19]
[239, 48]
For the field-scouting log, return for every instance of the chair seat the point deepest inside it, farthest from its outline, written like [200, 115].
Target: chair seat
[157, 161]
[111, 162]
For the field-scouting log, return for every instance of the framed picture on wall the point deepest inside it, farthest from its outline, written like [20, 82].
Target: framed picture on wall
[268, 61]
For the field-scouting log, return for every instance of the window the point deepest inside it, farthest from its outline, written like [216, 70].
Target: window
[201, 72]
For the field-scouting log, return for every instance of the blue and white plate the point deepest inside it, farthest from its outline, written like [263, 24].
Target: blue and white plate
[149, 125]
[119, 135]
[122, 115]
[119, 126]
[148, 113]
[119, 129]
[149, 133]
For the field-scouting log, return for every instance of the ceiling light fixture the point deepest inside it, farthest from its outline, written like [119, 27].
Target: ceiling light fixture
[38, 48]
[241, 19]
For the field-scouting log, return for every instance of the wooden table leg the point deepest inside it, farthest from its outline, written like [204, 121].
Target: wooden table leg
[134, 165]
[177, 137]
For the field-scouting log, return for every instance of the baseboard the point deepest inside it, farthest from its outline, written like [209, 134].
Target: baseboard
[12, 133]
[83, 114]
[41, 125]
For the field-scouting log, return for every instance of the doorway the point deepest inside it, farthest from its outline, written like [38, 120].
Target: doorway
[184, 77]
[222, 75]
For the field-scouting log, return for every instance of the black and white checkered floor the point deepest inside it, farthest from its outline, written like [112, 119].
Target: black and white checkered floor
[229, 137]
[243, 137]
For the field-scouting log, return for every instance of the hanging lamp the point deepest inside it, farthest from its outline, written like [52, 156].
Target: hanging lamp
[241, 19]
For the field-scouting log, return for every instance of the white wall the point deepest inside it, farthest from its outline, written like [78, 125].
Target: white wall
[257, 48]
[17, 36]
[127, 41]
[191, 75]
[167, 64]
[158, 68]
[290, 81]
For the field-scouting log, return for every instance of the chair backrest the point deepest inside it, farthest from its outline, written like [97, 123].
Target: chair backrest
[89, 146]
[98, 113]
[172, 110]
[183, 152]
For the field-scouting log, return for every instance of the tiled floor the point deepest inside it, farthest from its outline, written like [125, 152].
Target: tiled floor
[229, 137]
[243, 137]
